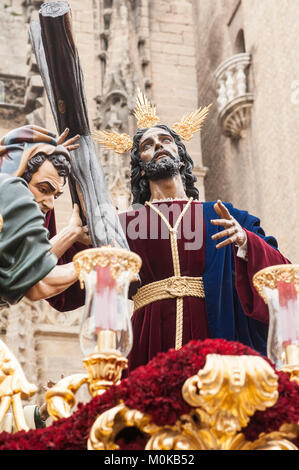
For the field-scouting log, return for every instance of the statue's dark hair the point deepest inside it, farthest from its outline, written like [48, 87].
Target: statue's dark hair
[140, 185]
[59, 161]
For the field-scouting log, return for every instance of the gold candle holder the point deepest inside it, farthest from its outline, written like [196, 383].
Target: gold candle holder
[104, 367]
[106, 274]
[283, 337]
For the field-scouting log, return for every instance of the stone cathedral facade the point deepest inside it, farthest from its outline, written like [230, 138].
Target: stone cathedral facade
[240, 55]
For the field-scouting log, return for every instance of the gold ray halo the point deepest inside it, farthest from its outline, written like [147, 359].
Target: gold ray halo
[191, 123]
[144, 112]
[111, 140]
[146, 116]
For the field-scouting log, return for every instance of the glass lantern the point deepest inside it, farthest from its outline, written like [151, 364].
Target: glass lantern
[105, 333]
[106, 274]
[279, 287]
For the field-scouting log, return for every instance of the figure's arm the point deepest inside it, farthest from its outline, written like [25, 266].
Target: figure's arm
[74, 296]
[59, 279]
[258, 255]
[25, 253]
[74, 232]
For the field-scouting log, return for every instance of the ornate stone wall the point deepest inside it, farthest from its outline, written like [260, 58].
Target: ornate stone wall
[12, 65]
[258, 172]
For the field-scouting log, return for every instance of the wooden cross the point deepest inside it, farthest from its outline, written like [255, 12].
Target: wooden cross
[59, 65]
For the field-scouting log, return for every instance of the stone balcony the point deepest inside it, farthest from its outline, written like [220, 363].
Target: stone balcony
[233, 96]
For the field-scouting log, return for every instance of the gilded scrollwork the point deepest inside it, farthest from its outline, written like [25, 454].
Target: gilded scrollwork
[223, 396]
[13, 387]
[109, 424]
[61, 397]
[104, 369]
[229, 389]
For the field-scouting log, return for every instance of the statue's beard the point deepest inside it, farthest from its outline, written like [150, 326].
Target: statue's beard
[166, 167]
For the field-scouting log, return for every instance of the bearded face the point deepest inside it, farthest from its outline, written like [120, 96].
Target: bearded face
[159, 155]
[160, 167]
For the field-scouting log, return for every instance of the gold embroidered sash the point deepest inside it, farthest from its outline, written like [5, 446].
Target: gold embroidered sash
[169, 288]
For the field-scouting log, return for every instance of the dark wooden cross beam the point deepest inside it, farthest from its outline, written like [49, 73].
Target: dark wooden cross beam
[59, 65]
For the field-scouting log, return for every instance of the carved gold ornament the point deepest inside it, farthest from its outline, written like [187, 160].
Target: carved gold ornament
[146, 116]
[292, 362]
[268, 277]
[292, 371]
[104, 369]
[118, 259]
[229, 389]
[13, 387]
[108, 425]
[223, 395]
[61, 397]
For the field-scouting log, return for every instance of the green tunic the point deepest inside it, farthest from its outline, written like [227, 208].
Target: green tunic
[25, 256]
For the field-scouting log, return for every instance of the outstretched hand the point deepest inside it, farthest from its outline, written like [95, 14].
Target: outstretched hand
[233, 229]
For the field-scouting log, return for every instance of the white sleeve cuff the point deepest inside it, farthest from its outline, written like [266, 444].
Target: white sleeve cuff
[242, 250]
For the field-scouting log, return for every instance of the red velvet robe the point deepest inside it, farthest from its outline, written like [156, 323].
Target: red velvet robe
[154, 325]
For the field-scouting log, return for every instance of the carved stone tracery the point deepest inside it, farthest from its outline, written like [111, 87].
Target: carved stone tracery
[125, 66]
[14, 89]
[12, 92]
[34, 102]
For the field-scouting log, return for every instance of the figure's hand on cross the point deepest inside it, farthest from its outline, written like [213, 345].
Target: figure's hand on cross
[76, 226]
[233, 229]
[69, 144]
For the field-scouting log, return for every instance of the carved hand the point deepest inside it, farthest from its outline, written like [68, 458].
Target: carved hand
[233, 229]
[75, 225]
[69, 144]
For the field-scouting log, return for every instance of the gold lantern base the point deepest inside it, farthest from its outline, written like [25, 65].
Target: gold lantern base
[269, 277]
[104, 369]
[104, 366]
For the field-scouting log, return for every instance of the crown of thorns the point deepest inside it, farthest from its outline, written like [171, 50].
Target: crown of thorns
[146, 116]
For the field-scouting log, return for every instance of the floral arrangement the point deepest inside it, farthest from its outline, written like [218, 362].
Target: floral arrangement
[155, 389]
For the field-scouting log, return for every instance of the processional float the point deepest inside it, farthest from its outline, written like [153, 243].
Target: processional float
[228, 390]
